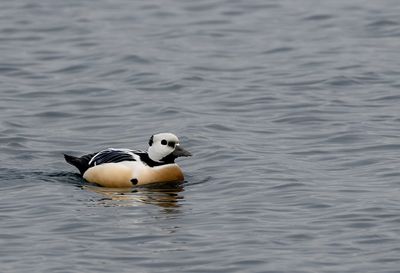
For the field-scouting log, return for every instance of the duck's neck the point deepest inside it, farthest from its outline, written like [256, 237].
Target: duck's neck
[150, 162]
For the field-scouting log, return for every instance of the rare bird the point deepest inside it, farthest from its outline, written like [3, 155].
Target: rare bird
[123, 168]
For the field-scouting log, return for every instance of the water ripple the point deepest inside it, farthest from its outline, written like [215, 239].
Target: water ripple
[289, 108]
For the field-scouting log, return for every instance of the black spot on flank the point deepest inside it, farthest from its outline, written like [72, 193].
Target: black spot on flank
[134, 181]
[151, 140]
[164, 142]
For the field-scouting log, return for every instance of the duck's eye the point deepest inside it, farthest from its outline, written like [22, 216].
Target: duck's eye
[164, 142]
[171, 144]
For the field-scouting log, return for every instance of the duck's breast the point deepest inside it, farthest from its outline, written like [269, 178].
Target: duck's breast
[161, 174]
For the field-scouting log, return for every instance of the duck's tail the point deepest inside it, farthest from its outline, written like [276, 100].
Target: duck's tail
[82, 163]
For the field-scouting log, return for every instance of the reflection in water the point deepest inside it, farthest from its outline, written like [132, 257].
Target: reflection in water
[166, 196]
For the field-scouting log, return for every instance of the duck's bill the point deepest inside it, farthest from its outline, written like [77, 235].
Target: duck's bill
[179, 151]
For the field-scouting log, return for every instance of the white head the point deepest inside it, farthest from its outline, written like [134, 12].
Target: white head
[165, 147]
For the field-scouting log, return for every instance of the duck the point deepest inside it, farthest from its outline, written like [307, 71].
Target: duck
[125, 168]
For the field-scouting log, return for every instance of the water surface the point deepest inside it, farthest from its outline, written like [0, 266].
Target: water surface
[291, 109]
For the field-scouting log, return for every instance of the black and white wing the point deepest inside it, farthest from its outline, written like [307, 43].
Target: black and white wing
[113, 156]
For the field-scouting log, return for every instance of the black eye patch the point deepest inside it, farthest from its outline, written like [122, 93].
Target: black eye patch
[164, 142]
[171, 144]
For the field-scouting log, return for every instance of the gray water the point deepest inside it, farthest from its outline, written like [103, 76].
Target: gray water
[291, 109]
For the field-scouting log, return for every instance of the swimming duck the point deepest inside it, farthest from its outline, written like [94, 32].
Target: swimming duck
[123, 168]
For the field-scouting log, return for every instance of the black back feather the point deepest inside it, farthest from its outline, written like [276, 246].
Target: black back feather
[111, 156]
